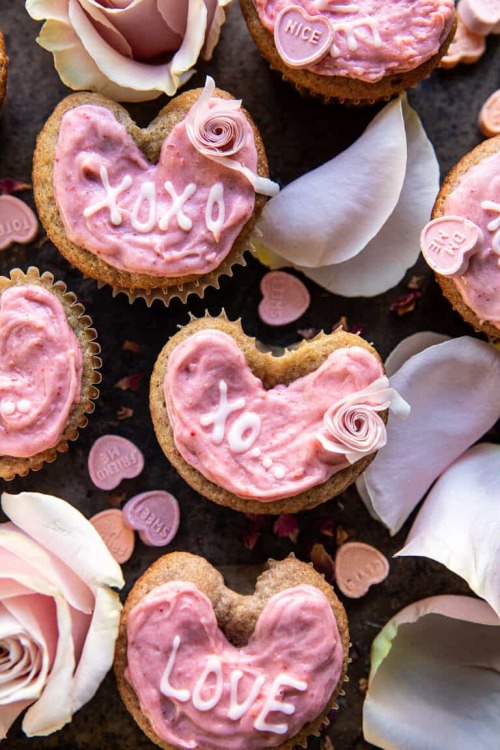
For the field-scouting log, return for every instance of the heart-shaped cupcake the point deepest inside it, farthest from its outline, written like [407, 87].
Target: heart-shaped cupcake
[154, 208]
[266, 434]
[201, 666]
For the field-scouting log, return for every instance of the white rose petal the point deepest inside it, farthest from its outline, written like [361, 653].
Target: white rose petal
[459, 523]
[435, 678]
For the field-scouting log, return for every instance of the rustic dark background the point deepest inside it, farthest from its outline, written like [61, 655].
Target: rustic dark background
[299, 134]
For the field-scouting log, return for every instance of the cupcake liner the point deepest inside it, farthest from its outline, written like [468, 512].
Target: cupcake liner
[4, 60]
[81, 324]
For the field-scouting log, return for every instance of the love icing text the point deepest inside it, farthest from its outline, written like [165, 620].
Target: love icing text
[213, 675]
[145, 216]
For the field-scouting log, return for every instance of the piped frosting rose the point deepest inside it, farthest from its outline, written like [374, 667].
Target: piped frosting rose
[129, 50]
[353, 426]
[58, 615]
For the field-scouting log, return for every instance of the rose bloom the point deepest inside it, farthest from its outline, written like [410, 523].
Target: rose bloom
[58, 615]
[128, 50]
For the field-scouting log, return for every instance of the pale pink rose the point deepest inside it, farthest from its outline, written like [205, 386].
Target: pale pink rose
[128, 50]
[58, 615]
[353, 426]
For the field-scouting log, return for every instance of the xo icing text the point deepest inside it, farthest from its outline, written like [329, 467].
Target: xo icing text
[494, 225]
[213, 669]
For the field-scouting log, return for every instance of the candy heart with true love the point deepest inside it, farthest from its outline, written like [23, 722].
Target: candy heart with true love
[268, 434]
[216, 669]
[155, 207]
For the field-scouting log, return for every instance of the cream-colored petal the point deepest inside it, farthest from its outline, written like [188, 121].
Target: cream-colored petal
[459, 523]
[328, 216]
[435, 678]
[410, 346]
[64, 531]
[453, 389]
[41, 10]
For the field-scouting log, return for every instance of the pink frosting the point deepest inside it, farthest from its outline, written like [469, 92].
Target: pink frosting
[480, 284]
[40, 370]
[182, 666]
[154, 239]
[372, 38]
[264, 444]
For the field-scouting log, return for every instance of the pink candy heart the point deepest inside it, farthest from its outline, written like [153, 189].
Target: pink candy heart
[301, 39]
[155, 515]
[285, 298]
[359, 566]
[116, 535]
[480, 16]
[449, 242]
[113, 458]
[18, 223]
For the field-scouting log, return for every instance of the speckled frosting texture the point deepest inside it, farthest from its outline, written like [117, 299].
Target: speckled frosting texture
[372, 38]
[40, 370]
[257, 443]
[200, 691]
[173, 219]
[477, 197]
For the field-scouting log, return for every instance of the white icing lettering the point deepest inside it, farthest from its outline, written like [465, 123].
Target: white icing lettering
[219, 416]
[350, 29]
[214, 667]
[273, 704]
[267, 462]
[147, 196]
[279, 472]
[215, 201]
[244, 432]
[24, 405]
[494, 225]
[166, 688]
[177, 207]
[237, 710]
[109, 200]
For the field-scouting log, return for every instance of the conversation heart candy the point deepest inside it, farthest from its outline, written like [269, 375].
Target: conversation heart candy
[449, 242]
[489, 116]
[466, 47]
[301, 39]
[155, 515]
[113, 458]
[117, 536]
[480, 16]
[357, 567]
[18, 223]
[285, 298]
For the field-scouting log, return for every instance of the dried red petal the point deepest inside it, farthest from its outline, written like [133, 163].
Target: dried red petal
[405, 304]
[363, 685]
[326, 743]
[250, 538]
[124, 412]
[8, 186]
[322, 561]
[327, 527]
[416, 282]
[348, 327]
[257, 521]
[130, 382]
[115, 499]
[287, 525]
[308, 333]
[131, 346]
[342, 535]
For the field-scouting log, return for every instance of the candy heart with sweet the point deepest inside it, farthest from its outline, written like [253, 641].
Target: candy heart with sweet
[199, 665]
[266, 434]
[156, 207]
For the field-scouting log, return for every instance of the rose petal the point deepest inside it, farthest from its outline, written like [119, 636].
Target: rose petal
[459, 523]
[36, 613]
[8, 715]
[453, 389]
[106, 29]
[435, 678]
[174, 14]
[98, 652]
[410, 346]
[63, 530]
[386, 258]
[33, 561]
[330, 214]
[215, 21]
[48, 9]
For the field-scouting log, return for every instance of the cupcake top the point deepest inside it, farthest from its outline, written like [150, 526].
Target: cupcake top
[172, 219]
[200, 691]
[365, 39]
[270, 444]
[41, 365]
